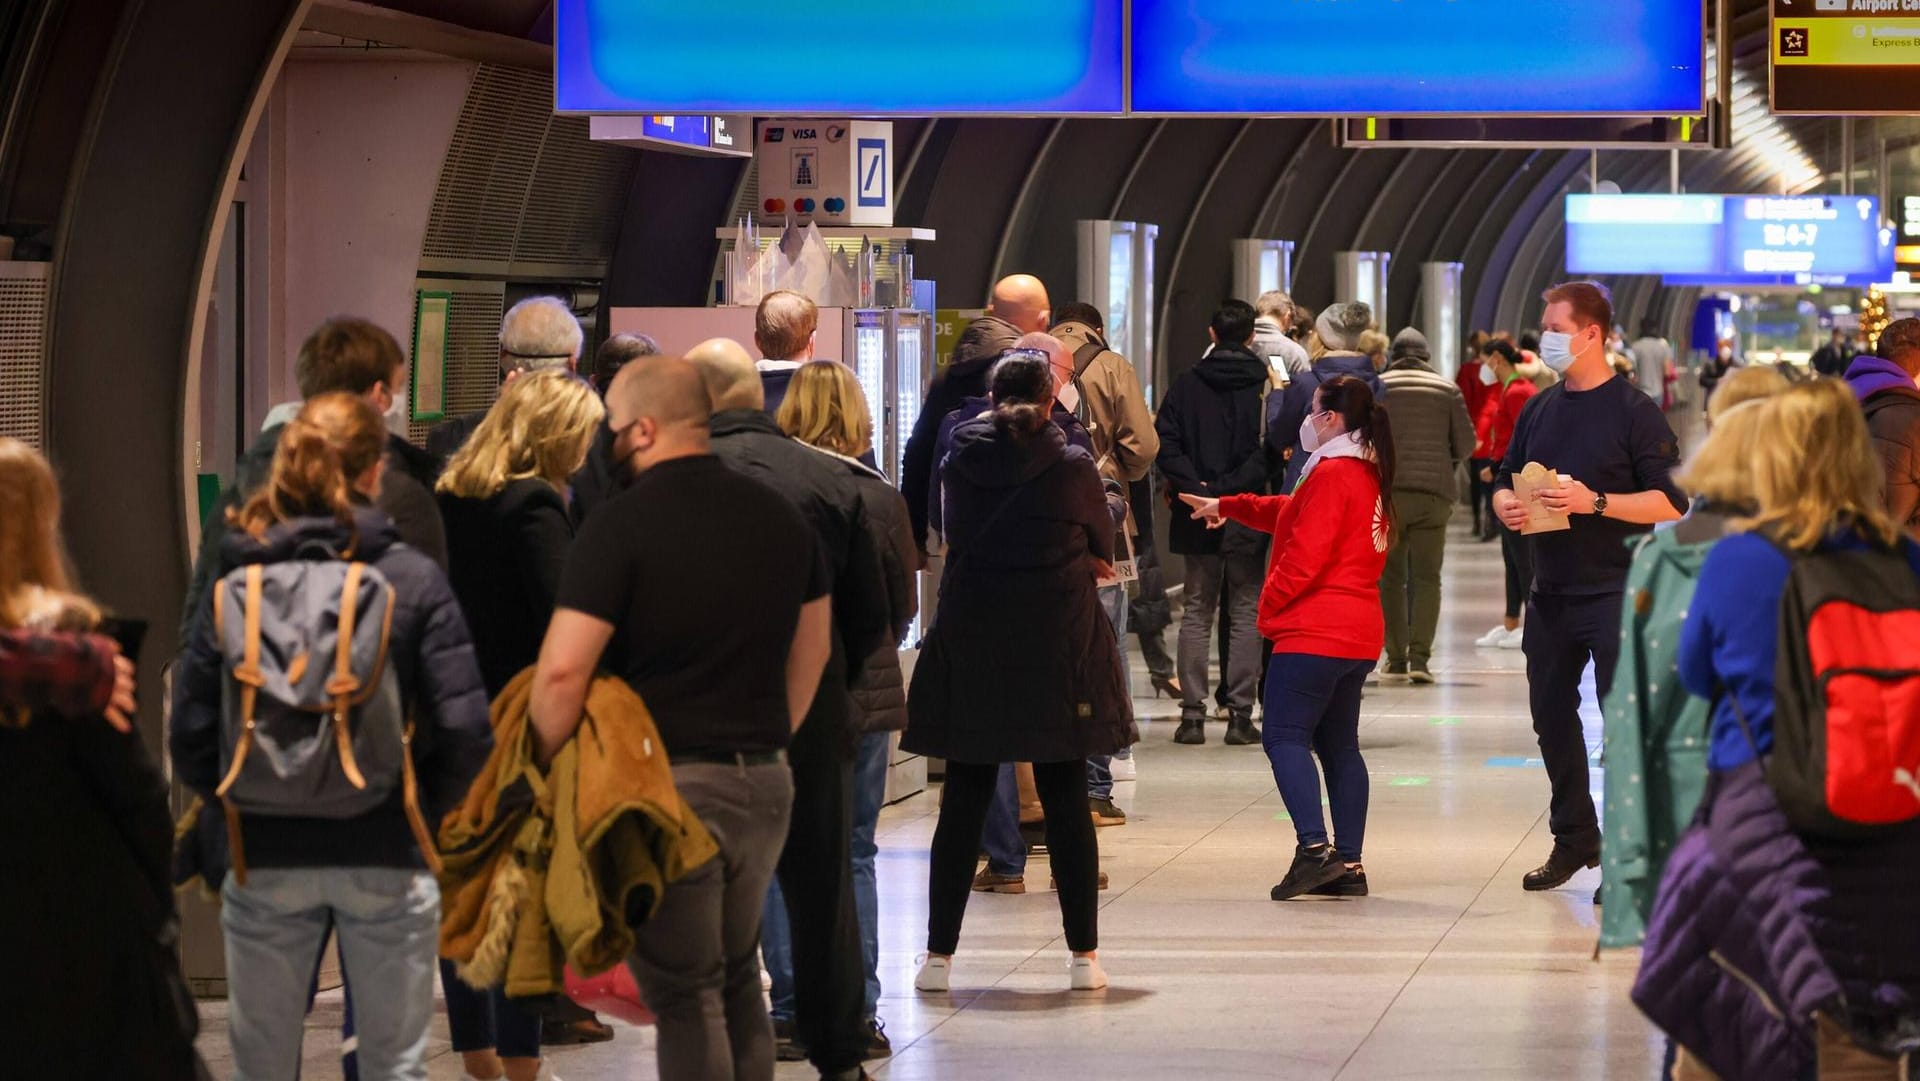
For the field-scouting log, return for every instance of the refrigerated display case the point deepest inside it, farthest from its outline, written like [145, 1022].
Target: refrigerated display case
[869, 363]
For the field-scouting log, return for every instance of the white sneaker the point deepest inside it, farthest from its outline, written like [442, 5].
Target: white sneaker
[1493, 639]
[1514, 639]
[1085, 974]
[934, 974]
[1125, 770]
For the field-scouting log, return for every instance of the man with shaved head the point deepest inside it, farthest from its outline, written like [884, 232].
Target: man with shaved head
[829, 974]
[707, 593]
[1019, 306]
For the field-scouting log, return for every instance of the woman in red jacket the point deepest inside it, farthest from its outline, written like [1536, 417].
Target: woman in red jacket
[1321, 610]
[1515, 391]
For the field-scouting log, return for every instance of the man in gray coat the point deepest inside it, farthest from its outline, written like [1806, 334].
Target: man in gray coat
[1432, 435]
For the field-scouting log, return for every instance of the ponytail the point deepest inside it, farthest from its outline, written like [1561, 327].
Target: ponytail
[334, 441]
[1021, 385]
[1365, 416]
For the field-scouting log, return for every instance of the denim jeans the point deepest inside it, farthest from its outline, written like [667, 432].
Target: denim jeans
[1313, 710]
[776, 931]
[388, 923]
[1001, 837]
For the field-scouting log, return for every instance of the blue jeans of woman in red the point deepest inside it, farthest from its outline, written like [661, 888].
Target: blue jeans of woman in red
[1313, 710]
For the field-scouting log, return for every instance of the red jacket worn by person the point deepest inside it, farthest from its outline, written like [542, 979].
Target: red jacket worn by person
[1513, 398]
[1323, 584]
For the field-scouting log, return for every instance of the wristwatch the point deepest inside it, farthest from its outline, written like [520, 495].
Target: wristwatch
[1600, 505]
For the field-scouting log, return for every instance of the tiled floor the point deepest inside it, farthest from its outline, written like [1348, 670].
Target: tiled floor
[1448, 971]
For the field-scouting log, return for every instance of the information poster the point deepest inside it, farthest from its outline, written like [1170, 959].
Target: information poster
[429, 373]
[1845, 57]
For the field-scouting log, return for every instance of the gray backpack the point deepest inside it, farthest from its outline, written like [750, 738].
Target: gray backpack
[312, 723]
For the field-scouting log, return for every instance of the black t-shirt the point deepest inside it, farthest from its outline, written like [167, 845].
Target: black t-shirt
[1616, 441]
[702, 572]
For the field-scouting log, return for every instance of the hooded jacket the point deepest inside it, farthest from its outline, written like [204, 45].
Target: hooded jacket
[439, 683]
[1432, 430]
[1112, 405]
[1068, 424]
[1210, 444]
[821, 489]
[1286, 410]
[1021, 664]
[1892, 404]
[965, 377]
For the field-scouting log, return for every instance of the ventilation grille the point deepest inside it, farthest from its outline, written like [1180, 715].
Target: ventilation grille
[473, 355]
[522, 186]
[23, 347]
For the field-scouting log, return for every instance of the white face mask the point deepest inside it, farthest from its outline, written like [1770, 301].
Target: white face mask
[1486, 374]
[1309, 435]
[1556, 350]
[1069, 397]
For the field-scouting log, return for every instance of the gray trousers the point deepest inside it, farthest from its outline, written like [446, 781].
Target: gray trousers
[697, 961]
[1240, 575]
[1410, 584]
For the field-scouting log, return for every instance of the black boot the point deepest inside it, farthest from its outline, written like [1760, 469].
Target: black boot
[1192, 731]
[1563, 863]
[1312, 868]
[1241, 732]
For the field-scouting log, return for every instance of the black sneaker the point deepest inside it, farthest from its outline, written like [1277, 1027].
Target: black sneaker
[785, 1047]
[1349, 884]
[1312, 867]
[1105, 813]
[878, 1046]
[1241, 732]
[1563, 863]
[1192, 732]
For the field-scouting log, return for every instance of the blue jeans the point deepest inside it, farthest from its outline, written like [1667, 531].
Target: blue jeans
[1313, 709]
[487, 1020]
[388, 923]
[776, 933]
[1006, 848]
[1100, 767]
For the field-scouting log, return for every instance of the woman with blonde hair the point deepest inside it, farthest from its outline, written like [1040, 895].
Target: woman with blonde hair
[1775, 949]
[87, 920]
[826, 409]
[365, 876]
[504, 500]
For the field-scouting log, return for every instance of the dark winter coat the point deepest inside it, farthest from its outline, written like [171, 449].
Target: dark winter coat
[826, 495]
[1076, 433]
[439, 682]
[1285, 410]
[445, 439]
[1210, 445]
[965, 377]
[1757, 928]
[774, 382]
[597, 481]
[406, 497]
[1892, 403]
[1021, 664]
[880, 691]
[504, 558]
[87, 920]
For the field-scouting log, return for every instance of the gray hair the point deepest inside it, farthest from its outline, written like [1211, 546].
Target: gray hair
[539, 333]
[1275, 305]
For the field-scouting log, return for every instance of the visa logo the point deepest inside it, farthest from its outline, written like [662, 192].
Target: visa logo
[806, 133]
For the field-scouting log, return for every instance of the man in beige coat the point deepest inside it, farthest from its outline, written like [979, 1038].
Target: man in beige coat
[1114, 409]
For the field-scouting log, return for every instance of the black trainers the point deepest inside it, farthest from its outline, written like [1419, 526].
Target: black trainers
[1350, 884]
[1192, 732]
[785, 1047]
[1241, 732]
[1312, 867]
[878, 1046]
[1105, 813]
[1563, 863]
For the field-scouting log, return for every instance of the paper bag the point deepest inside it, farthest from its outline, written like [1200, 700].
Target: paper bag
[1527, 485]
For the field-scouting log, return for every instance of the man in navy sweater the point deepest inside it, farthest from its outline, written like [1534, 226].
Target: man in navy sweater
[1615, 451]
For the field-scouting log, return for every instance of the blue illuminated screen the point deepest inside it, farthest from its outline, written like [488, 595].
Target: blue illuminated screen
[1409, 57]
[838, 57]
[690, 130]
[1730, 239]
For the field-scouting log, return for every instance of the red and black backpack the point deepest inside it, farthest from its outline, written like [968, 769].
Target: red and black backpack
[1846, 721]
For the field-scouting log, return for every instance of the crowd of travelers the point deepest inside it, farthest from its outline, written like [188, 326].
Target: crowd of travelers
[489, 709]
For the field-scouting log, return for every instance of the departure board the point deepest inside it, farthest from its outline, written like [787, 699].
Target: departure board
[1845, 57]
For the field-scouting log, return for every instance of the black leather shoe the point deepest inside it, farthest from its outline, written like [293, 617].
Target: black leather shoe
[1192, 732]
[878, 1046]
[1241, 732]
[1563, 864]
[1312, 868]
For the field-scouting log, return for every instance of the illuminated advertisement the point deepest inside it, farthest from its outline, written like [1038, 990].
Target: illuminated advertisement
[1731, 239]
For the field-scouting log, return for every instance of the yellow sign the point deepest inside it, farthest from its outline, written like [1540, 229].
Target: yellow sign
[1861, 42]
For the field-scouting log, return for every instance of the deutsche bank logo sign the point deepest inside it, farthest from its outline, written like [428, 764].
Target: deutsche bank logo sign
[872, 183]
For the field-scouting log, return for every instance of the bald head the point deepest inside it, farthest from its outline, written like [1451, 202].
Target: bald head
[1022, 300]
[1058, 358]
[727, 369]
[658, 410]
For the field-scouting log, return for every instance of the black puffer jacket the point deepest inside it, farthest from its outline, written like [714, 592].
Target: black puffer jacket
[825, 494]
[1210, 445]
[966, 377]
[1021, 664]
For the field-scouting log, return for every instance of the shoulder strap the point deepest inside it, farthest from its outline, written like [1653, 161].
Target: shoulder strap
[249, 677]
[342, 687]
[1088, 352]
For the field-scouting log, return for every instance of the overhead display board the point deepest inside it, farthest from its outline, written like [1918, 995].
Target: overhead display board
[1845, 57]
[1417, 57]
[839, 57]
[721, 136]
[1760, 239]
[1531, 133]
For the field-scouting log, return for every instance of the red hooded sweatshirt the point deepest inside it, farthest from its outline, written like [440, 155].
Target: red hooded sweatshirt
[1323, 585]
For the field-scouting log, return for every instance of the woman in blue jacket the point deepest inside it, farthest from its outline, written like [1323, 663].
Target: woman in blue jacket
[365, 876]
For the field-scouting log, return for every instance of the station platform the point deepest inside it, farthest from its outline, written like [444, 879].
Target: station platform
[1448, 971]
